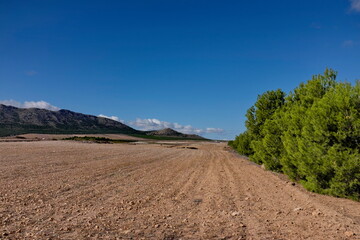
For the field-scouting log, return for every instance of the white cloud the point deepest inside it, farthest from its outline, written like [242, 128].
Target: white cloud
[156, 124]
[214, 130]
[11, 103]
[112, 118]
[30, 104]
[355, 5]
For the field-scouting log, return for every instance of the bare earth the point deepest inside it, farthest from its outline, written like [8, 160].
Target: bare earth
[72, 190]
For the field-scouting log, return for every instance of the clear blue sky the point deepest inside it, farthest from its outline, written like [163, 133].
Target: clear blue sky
[198, 63]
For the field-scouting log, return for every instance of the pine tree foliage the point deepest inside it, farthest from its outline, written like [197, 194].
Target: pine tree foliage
[312, 134]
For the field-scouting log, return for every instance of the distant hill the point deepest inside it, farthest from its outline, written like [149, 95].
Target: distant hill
[33, 120]
[14, 121]
[172, 133]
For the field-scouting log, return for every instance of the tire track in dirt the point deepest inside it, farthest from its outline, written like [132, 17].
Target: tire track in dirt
[202, 199]
[223, 207]
[165, 196]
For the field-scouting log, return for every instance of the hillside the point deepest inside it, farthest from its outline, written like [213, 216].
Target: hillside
[168, 132]
[33, 120]
[14, 121]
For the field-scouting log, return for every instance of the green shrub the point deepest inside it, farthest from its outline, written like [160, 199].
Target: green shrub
[312, 135]
[243, 144]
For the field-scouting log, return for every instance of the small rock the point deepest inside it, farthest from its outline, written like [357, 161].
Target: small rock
[349, 234]
[157, 225]
[298, 209]
[234, 214]
[317, 212]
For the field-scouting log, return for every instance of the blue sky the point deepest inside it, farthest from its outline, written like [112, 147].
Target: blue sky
[200, 64]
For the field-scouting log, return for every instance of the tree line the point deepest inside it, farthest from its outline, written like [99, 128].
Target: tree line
[311, 134]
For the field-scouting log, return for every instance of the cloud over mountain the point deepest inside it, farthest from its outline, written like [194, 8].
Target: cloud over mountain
[30, 104]
[149, 124]
[112, 118]
[156, 124]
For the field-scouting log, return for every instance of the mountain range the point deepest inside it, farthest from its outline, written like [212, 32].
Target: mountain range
[14, 121]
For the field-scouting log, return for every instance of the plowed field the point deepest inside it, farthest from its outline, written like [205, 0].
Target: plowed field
[72, 190]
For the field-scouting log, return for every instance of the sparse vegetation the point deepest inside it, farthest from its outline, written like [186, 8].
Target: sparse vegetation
[312, 135]
[99, 139]
[157, 137]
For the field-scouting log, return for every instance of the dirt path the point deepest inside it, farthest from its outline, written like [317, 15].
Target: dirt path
[68, 190]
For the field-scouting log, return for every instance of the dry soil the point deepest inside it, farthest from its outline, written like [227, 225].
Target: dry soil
[74, 190]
